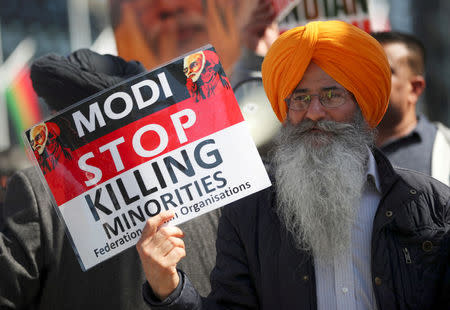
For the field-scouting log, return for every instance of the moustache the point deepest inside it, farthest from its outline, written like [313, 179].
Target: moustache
[328, 127]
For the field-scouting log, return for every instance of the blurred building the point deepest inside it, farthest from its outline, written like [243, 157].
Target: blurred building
[44, 20]
[52, 26]
[47, 21]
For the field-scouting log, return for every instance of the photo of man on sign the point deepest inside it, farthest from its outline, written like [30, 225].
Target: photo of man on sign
[204, 74]
[48, 148]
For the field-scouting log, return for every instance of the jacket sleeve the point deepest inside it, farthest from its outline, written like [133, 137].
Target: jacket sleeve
[21, 256]
[444, 296]
[231, 281]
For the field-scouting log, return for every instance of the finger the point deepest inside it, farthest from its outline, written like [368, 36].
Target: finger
[169, 244]
[177, 243]
[165, 233]
[263, 15]
[244, 9]
[167, 41]
[174, 256]
[213, 17]
[272, 32]
[166, 257]
[129, 39]
[264, 6]
[231, 24]
[171, 231]
[157, 245]
[223, 34]
[169, 260]
[153, 223]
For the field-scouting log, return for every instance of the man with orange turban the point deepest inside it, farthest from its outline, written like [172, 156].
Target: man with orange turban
[340, 228]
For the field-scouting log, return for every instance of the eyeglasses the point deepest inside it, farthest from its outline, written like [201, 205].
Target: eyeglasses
[329, 98]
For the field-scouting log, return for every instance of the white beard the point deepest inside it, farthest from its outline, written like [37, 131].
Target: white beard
[319, 181]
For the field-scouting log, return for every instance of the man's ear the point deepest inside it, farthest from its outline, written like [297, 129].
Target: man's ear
[417, 86]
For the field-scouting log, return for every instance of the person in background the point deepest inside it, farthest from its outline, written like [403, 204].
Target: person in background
[340, 228]
[156, 31]
[11, 160]
[409, 139]
[240, 31]
[259, 34]
[39, 269]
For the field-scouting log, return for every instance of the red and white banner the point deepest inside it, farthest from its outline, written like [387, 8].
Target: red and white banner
[369, 15]
[173, 138]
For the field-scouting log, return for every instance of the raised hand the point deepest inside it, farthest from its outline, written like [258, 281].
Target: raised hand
[223, 31]
[260, 30]
[129, 39]
[132, 45]
[160, 249]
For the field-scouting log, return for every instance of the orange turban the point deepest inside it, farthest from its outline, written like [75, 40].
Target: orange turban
[348, 54]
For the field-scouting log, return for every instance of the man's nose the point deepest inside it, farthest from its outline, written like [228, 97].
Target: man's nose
[315, 111]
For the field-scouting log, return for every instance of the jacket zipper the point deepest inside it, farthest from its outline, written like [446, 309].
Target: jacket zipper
[407, 256]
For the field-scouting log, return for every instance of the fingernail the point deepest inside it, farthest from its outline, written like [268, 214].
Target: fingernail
[171, 212]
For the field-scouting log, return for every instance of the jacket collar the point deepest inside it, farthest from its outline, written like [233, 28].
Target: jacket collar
[387, 174]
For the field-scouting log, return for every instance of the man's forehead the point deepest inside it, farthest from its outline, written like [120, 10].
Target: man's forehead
[325, 88]
[315, 78]
[396, 52]
[38, 128]
[193, 57]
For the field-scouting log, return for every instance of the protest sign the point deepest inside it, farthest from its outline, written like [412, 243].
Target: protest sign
[173, 138]
[369, 15]
[283, 7]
